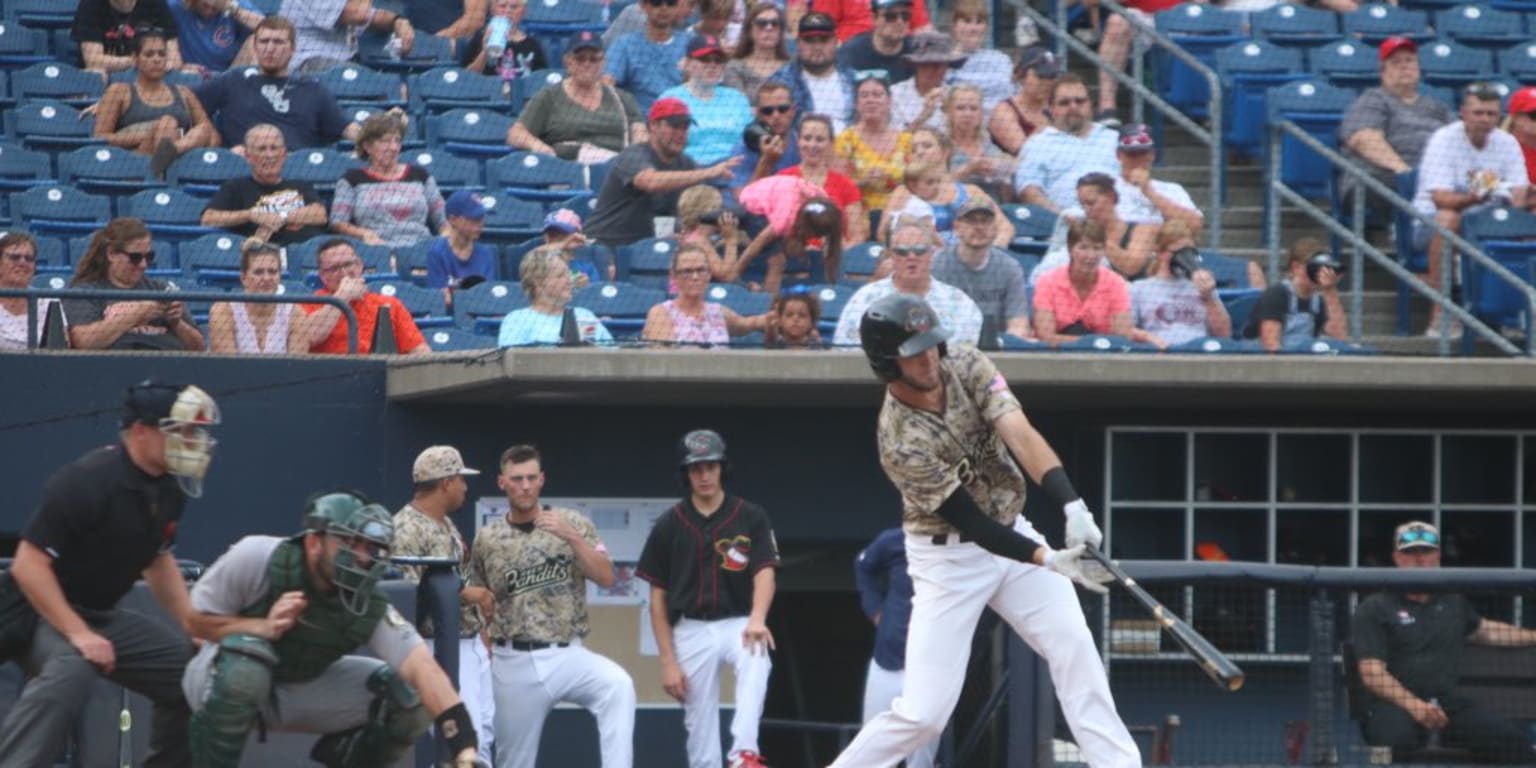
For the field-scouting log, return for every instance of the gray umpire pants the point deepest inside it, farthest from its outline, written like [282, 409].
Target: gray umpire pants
[151, 656]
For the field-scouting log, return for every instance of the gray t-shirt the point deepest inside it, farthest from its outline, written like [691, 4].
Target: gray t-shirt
[319, 31]
[563, 124]
[624, 213]
[238, 580]
[1169, 308]
[1407, 126]
[156, 334]
[997, 288]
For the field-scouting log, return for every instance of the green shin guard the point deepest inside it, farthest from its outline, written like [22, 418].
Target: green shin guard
[242, 682]
[396, 720]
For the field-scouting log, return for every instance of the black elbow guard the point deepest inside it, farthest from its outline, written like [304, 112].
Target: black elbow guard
[960, 510]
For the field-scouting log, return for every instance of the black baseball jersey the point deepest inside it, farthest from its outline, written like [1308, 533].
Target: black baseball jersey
[706, 564]
[104, 521]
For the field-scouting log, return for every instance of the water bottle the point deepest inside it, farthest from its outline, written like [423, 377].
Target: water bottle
[607, 12]
[496, 41]
[392, 47]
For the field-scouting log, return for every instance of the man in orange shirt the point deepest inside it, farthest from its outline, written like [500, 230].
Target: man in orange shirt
[341, 272]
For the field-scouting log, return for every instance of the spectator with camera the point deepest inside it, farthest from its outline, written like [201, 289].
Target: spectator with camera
[1178, 302]
[1304, 305]
[770, 143]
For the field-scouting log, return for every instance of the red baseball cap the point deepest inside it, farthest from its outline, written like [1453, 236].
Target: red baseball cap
[1392, 45]
[705, 45]
[670, 106]
[1523, 101]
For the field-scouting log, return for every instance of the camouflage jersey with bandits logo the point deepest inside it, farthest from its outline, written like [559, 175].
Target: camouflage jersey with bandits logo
[541, 593]
[927, 455]
[417, 535]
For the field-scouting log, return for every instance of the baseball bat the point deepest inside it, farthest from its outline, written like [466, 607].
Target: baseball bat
[1222, 671]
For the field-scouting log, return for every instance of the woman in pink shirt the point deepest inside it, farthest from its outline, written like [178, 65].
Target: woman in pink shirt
[1084, 296]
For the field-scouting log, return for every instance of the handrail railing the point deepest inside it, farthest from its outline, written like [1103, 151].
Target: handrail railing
[1455, 243]
[1211, 138]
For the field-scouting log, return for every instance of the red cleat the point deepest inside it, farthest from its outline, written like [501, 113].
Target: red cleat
[748, 760]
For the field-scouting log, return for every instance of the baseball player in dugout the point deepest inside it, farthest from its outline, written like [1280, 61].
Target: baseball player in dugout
[715, 612]
[280, 618]
[105, 520]
[956, 444]
[537, 561]
[422, 529]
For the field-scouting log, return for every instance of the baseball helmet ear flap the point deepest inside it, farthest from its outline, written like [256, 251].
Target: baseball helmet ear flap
[896, 326]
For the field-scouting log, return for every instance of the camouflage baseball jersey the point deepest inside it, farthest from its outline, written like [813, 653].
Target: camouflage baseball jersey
[927, 455]
[420, 536]
[541, 593]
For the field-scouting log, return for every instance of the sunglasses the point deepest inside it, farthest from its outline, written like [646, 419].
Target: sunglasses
[875, 74]
[774, 109]
[1071, 101]
[659, 3]
[1427, 538]
[910, 251]
[30, 258]
[693, 272]
[896, 16]
[766, 23]
[139, 257]
[587, 58]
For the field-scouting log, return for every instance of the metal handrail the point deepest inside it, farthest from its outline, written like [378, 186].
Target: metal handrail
[32, 294]
[1211, 138]
[1278, 189]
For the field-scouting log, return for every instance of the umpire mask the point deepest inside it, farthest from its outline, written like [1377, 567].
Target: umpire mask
[183, 414]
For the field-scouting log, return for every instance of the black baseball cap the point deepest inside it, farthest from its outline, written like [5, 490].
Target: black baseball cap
[585, 40]
[817, 25]
[1042, 60]
[148, 401]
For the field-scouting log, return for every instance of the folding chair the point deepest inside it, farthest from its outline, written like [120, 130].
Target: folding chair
[22, 46]
[1346, 64]
[450, 172]
[1032, 228]
[860, 262]
[1248, 70]
[480, 309]
[1318, 109]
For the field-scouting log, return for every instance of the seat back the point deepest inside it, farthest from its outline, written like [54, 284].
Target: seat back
[50, 124]
[104, 169]
[1346, 64]
[1378, 21]
[21, 168]
[1519, 61]
[476, 132]
[1295, 25]
[60, 209]
[61, 82]
[621, 306]
[1479, 25]
[419, 301]
[451, 173]
[427, 51]
[492, 299]
[357, 83]
[1453, 64]
[201, 171]
[443, 88]
[163, 206]
[533, 176]
[527, 86]
[650, 262]
[1317, 108]
[860, 262]
[319, 167]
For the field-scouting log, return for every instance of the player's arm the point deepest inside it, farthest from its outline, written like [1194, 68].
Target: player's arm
[756, 635]
[1498, 633]
[1035, 455]
[279, 619]
[672, 679]
[1376, 678]
[169, 588]
[869, 576]
[422, 672]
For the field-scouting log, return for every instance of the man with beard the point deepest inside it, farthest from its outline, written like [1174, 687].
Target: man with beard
[1073, 146]
[816, 84]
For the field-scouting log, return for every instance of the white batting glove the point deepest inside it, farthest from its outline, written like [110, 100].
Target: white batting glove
[1080, 526]
[1069, 563]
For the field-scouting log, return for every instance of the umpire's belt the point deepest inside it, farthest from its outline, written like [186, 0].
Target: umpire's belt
[943, 539]
[526, 645]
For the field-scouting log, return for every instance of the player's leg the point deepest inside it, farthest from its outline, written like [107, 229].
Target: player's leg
[522, 704]
[1388, 725]
[1042, 607]
[367, 713]
[59, 685]
[881, 687]
[1492, 737]
[603, 688]
[752, 672]
[699, 659]
[228, 686]
[150, 658]
[475, 690]
[951, 585]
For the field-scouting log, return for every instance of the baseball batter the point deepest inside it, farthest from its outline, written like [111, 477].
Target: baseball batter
[710, 562]
[537, 561]
[953, 440]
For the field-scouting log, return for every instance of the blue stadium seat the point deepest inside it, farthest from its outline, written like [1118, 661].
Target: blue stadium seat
[1217, 345]
[650, 262]
[1202, 30]
[1240, 306]
[1231, 272]
[414, 138]
[1482, 26]
[52, 256]
[450, 172]
[510, 260]
[170, 213]
[1454, 65]
[51, 125]
[1346, 64]
[59, 209]
[831, 298]
[427, 306]
[1318, 109]
[446, 88]
[508, 219]
[1103, 343]
[532, 176]
[1519, 62]
[565, 16]
[524, 88]
[165, 256]
[1376, 22]
[22, 46]
[175, 78]
[59, 82]
[21, 168]
[597, 173]
[471, 132]
[356, 85]
[583, 204]
[1248, 70]
[739, 299]
[427, 52]
[51, 281]
[320, 167]
[212, 260]
[201, 171]
[1324, 345]
[621, 306]
[454, 340]
[105, 170]
[859, 263]
[1032, 228]
[411, 261]
[1294, 25]
[41, 14]
[378, 261]
[1508, 236]
[481, 308]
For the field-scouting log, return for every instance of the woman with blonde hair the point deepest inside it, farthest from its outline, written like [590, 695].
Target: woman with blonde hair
[116, 260]
[974, 159]
[258, 328]
[934, 191]
[546, 278]
[387, 202]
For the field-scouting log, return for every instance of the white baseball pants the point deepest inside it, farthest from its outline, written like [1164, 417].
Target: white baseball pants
[702, 646]
[530, 683]
[881, 687]
[475, 690]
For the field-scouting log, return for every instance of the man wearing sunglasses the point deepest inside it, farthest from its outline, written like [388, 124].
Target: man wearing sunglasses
[885, 47]
[817, 84]
[855, 17]
[1409, 647]
[911, 251]
[1072, 147]
[776, 144]
[649, 62]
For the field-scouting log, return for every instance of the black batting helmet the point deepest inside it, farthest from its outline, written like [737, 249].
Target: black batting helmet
[700, 445]
[896, 326]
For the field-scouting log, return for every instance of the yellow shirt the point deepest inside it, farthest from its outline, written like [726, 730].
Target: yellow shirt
[850, 146]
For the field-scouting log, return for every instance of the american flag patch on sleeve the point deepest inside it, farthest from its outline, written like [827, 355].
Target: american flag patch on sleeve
[999, 384]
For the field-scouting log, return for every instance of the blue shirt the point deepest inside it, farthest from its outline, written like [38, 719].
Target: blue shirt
[1054, 160]
[885, 589]
[526, 326]
[300, 107]
[444, 269]
[211, 44]
[644, 68]
[718, 122]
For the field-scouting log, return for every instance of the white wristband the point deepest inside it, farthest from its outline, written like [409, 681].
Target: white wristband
[1074, 507]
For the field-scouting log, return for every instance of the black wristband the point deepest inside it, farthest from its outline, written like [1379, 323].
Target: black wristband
[961, 511]
[457, 729]
[1058, 487]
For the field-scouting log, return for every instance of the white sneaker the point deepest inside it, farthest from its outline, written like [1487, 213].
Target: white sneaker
[1433, 331]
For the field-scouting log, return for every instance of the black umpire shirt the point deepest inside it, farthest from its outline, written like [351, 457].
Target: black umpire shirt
[1421, 643]
[706, 564]
[104, 521]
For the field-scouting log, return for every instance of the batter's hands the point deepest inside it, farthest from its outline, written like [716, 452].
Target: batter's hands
[284, 613]
[1080, 526]
[1069, 563]
[756, 638]
[95, 648]
[673, 682]
[554, 523]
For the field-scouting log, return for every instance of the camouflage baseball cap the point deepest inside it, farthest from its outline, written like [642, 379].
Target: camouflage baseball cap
[438, 462]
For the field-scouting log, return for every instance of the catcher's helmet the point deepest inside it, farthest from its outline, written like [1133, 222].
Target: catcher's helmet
[700, 445]
[366, 526]
[896, 326]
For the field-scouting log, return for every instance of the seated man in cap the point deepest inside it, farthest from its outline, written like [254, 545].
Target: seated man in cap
[883, 48]
[1522, 124]
[263, 205]
[1409, 647]
[818, 83]
[458, 259]
[1387, 127]
[646, 63]
[1305, 304]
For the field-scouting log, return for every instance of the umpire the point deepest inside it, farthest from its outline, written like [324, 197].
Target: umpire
[105, 520]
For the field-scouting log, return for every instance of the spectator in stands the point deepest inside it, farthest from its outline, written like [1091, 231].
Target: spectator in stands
[856, 17]
[760, 52]
[792, 323]
[1178, 302]
[1385, 130]
[816, 82]
[1466, 165]
[115, 260]
[150, 116]
[1131, 249]
[988, 274]
[1522, 125]
[702, 220]
[1023, 114]
[303, 109]
[1083, 296]
[883, 48]
[646, 178]
[816, 156]
[563, 231]
[633, 19]
[911, 251]
[798, 233]
[582, 118]
[105, 29]
[327, 31]
[984, 67]
[715, 20]
[387, 202]
[974, 159]
[719, 113]
[264, 206]
[775, 146]
[524, 54]
[1072, 147]
[214, 35]
[546, 278]
[649, 62]
[1304, 305]
[688, 318]
[873, 150]
[918, 102]
[1143, 200]
[936, 187]
[457, 20]
[1119, 43]
[1410, 645]
[18, 265]
[458, 259]
[258, 328]
[341, 275]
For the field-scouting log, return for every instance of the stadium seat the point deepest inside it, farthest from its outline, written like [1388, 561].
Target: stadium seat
[831, 298]
[427, 306]
[201, 171]
[450, 172]
[378, 262]
[105, 170]
[1103, 342]
[52, 256]
[860, 262]
[1346, 64]
[212, 260]
[454, 340]
[170, 213]
[471, 132]
[355, 85]
[508, 219]
[1508, 236]
[481, 308]
[524, 88]
[621, 306]
[1217, 345]
[1231, 272]
[1201, 30]
[411, 261]
[41, 14]
[1248, 70]
[427, 52]
[1294, 25]
[583, 204]
[174, 78]
[60, 209]
[59, 82]
[1378, 21]
[22, 46]
[445, 88]
[22, 168]
[51, 125]
[1519, 62]
[1482, 26]
[650, 262]
[50, 282]
[597, 173]
[740, 300]
[565, 16]
[1032, 228]
[1318, 109]
[1240, 306]
[510, 260]
[1323, 345]
[1454, 65]
[320, 167]
[532, 176]
[414, 138]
